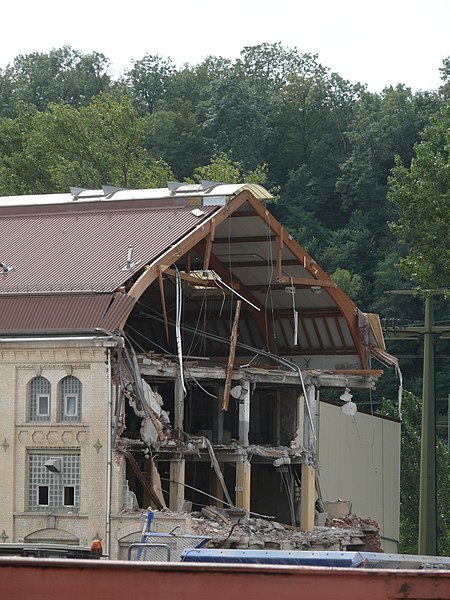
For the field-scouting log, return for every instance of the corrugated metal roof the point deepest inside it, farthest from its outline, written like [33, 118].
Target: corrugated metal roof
[86, 250]
[52, 313]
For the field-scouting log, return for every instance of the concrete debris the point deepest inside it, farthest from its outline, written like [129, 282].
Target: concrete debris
[369, 528]
[234, 529]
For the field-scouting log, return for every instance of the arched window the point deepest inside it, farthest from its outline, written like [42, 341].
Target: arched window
[39, 399]
[70, 392]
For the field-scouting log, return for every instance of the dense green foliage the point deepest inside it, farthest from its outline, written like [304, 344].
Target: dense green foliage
[409, 484]
[422, 196]
[328, 149]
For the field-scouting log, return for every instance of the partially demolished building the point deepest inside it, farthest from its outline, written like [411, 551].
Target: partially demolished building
[163, 346]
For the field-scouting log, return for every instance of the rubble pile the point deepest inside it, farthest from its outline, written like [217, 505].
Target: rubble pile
[230, 528]
[369, 528]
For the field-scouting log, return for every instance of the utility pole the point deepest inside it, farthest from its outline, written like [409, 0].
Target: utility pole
[427, 494]
[427, 491]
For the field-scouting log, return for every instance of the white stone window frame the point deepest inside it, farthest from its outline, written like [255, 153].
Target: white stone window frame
[40, 397]
[39, 387]
[70, 386]
[66, 411]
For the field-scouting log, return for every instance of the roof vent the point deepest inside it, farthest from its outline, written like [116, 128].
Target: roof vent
[130, 264]
[110, 190]
[76, 191]
[5, 268]
[208, 184]
[175, 187]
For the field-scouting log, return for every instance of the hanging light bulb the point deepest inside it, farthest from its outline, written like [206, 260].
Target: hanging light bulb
[349, 408]
[346, 396]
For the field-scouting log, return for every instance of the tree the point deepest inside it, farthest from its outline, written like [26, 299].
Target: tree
[445, 76]
[384, 125]
[177, 137]
[148, 81]
[421, 194]
[62, 75]
[95, 145]
[349, 283]
[222, 168]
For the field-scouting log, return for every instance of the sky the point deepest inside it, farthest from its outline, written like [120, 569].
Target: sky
[376, 43]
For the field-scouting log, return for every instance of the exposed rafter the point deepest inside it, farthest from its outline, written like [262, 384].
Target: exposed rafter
[348, 308]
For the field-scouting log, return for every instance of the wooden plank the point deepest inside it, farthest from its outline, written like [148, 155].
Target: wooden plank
[327, 328]
[243, 479]
[246, 239]
[279, 251]
[233, 341]
[209, 243]
[307, 497]
[305, 281]
[317, 332]
[177, 478]
[341, 335]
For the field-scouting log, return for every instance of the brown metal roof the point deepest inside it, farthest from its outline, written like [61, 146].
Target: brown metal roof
[86, 250]
[24, 314]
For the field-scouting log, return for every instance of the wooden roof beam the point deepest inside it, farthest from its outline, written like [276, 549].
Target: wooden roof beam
[186, 243]
[347, 306]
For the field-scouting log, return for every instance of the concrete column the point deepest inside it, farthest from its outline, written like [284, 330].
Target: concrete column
[178, 418]
[243, 475]
[307, 497]
[177, 478]
[244, 414]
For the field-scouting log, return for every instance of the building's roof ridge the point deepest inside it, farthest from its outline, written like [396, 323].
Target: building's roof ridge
[178, 190]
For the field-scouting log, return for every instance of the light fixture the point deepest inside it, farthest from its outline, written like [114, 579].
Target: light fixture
[283, 460]
[316, 289]
[54, 464]
[349, 408]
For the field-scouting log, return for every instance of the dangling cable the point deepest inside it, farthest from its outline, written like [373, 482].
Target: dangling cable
[179, 305]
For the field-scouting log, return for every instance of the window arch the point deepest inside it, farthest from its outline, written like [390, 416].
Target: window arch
[39, 399]
[70, 396]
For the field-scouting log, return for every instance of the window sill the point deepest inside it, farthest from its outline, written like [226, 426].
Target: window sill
[51, 513]
[35, 424]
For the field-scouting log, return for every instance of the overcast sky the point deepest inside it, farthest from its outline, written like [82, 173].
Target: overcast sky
[378, 42]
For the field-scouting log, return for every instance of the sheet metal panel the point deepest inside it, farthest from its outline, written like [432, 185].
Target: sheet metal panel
[52, 314]
[86, 250]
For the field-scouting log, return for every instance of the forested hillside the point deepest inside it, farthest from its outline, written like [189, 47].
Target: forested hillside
[323, 145]
[360, 179]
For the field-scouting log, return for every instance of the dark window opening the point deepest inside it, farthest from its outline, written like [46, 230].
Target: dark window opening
[69, 495]
[43, 495]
